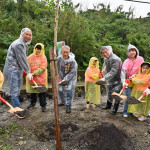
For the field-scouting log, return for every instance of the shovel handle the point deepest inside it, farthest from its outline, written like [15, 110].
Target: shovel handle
[143, 95]
[5, 102]
[31, 79]
[122, 89]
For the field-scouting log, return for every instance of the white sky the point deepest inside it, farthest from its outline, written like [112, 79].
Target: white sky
[140, 9]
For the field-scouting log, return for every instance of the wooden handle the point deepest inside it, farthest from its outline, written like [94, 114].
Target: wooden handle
[143, 95]
[31, 79]
[122, 89]
[34, 82]
[5, 102]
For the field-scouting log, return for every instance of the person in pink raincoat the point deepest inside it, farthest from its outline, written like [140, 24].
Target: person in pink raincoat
[130, 67]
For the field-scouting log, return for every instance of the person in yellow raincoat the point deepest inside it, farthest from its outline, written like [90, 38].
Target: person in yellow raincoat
[38, 66]
[92, 91]
[1, 79]
[141, 82]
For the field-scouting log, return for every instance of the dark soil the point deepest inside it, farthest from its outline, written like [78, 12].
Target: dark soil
[82, 129]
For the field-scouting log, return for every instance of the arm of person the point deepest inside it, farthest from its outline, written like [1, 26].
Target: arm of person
[22, 58]
[38, 71]
[91, 75]
[114, 70]
[42, 68]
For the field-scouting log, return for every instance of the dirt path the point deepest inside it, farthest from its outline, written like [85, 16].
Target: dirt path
[92, 129]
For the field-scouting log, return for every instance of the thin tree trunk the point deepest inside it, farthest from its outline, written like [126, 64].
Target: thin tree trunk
[53, 66]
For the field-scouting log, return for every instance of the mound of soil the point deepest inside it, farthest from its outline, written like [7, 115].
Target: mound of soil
[106, 137]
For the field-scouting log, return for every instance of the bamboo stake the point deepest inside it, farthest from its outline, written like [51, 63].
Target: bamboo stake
[53, 66]
[55, 98]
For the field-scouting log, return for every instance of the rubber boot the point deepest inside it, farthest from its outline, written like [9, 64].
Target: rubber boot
[113, 112]
[108, 105]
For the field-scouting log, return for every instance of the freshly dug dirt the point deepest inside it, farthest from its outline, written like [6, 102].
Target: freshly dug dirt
[82, 129]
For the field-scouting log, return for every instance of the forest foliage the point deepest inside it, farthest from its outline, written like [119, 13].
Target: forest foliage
[84, 31]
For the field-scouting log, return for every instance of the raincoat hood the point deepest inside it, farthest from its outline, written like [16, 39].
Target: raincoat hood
[109, 48]
[140, 68]
[132, 46]
[42, 49]
[23, 31]
[91, 62]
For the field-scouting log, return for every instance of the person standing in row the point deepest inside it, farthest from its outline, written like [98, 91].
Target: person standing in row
[67, 70]
[140, 82]
[111, 74]
[129, 68]
[38, 66]
[15, 64]
[92, 91]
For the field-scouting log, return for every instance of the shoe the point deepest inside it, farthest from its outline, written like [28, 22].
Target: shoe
[108, 105]
[87, 106]
[61, 104]
[68, 109]
[93, 105]
[43, 109]
[125, 115]
[142, 118]
[149, 113]
[113, 112]
[136, 115]
[30, 106]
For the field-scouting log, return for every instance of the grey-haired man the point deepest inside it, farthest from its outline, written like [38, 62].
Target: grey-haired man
[15, 64]
[111, 74]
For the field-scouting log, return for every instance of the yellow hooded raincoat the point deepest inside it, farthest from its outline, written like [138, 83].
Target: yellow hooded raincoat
[1, 79]
[140, 82]
[38, 66]
[92, 74]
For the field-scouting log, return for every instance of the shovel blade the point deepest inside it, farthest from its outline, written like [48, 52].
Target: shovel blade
[40, 88]
[99, 82]
[20, 113]
[118, 96]
[133, 100]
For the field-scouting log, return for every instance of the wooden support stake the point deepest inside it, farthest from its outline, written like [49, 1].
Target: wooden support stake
[55, 98]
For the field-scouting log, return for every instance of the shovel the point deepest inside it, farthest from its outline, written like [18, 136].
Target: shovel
[20, 113]
[119, 96]
[37, 87]
[62, 82]
[133, 100]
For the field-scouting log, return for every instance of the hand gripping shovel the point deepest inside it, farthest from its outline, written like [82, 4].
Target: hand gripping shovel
[40, 88]
[62, 82]
[119, 96]
[20, 113]
[133, 100]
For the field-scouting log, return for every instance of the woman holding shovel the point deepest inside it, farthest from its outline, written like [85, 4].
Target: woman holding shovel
[129, 68]
[38, 66]
[139, 83]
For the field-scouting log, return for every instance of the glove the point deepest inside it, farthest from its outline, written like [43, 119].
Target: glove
[123, 83]
[147, 91]
[29, 76]
[102, 79]
[95, 76]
